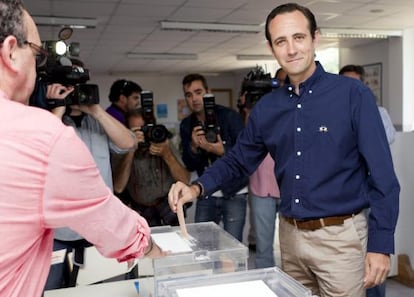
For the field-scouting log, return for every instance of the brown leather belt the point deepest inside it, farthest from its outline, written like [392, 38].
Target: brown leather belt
[315, 224]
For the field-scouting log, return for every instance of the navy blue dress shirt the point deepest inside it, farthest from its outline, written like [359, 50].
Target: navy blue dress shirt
[331, 152]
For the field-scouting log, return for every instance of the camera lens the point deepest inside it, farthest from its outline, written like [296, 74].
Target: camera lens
[159, 133]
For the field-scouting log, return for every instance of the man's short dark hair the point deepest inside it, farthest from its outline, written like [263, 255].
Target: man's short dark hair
[189, 78]
[11, 19]
[123, 87]
[291, 7]
[353, 68]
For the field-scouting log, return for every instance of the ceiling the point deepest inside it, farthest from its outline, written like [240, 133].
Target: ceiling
[125, 26]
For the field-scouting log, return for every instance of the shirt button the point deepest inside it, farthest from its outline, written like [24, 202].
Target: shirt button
[290, 88]
[298, 153]
[296, 200]
[299, 105]
[290, 95]
[298, 129]
[310, 91]
[297, 176]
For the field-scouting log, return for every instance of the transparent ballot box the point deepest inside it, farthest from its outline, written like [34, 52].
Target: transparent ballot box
[266, 282]
[207, 250]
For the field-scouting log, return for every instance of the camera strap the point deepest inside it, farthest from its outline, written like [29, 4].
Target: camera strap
[52, 103]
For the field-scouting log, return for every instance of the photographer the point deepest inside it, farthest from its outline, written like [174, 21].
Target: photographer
[102, 134]
[228, 204]
[124, 96]
[148, 172]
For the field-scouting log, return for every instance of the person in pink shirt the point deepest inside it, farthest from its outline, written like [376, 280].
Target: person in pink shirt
[264, 198]
[48, 178]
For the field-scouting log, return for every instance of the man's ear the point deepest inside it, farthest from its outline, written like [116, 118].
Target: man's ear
[8, 52]
[317, 38]
[122, 99]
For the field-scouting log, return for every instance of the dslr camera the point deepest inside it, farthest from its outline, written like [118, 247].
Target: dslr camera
[256, 84]
[210, 125]
[152, 132]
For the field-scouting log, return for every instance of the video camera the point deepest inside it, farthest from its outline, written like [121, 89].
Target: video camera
[60, 68]
[256, 84]
[152, 132]
[210, 125]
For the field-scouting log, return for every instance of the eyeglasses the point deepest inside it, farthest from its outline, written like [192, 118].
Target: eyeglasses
[41, 53]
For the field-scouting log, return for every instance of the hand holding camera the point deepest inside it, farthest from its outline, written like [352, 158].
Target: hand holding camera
[55, 95]
[139, 135]
[161, 149]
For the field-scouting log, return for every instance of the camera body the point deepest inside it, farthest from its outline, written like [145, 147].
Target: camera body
[152, 132]
[210, 126]
[83, 94]
[255, 85]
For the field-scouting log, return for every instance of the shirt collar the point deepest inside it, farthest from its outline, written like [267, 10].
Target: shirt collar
[307, 84]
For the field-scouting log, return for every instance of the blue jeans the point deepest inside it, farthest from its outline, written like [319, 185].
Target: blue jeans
[378, 291]
[264, 211]
[230, 210]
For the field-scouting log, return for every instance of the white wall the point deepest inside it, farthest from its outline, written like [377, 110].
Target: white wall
[167, 88]
[388, 52]
[408, 79]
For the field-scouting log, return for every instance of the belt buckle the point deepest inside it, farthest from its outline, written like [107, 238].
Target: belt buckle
[322, 221]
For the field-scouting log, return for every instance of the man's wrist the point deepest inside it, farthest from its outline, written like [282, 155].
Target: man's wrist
[150, 247]
[200, 188]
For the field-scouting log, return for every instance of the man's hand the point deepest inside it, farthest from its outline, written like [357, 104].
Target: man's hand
[139, 135]
[197, 135]
[92, 109]
[183, 193]
[377, 267]
[216, 148]
[160, 149]
[58, 92]
[155, 251]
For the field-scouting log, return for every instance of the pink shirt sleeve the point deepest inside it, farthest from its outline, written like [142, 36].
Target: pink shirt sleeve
[76, 197]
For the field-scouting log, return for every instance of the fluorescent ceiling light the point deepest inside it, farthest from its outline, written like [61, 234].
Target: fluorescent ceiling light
[211, 27]
[162, 56]
[255, 57]
[58, 21]
[359, 33]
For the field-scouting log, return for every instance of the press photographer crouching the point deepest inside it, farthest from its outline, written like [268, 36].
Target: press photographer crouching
[62, 90]
[150, 170]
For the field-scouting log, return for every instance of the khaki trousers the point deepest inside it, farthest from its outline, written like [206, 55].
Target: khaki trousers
[331, 260]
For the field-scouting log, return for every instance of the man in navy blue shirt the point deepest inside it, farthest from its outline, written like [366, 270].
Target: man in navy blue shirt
[333, 161]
